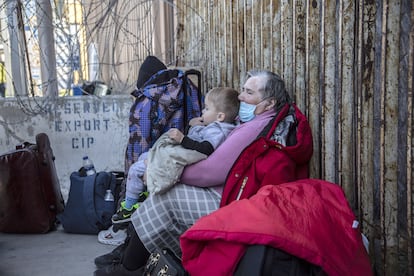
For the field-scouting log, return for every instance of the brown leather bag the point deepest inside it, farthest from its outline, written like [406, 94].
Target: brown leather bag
[30, 195]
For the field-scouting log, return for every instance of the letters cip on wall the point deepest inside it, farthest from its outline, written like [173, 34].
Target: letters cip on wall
[76, 126]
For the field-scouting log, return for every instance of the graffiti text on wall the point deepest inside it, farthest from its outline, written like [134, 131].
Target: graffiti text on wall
[84, 125]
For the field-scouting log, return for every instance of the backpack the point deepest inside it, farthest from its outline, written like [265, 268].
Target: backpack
[168, 99]
[86, 211]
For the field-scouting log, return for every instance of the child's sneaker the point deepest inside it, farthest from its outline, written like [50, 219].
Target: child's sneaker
[143, 196]
[123, 214]
[112, 237]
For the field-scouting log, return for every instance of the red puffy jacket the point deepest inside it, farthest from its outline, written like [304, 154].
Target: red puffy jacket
[309, 218]
[266, 161]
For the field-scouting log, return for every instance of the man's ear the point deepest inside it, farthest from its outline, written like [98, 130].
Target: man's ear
[271, 104]
[221, 116]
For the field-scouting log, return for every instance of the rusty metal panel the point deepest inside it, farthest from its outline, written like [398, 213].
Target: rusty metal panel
[329, 91]
[233, 67]
[390, 131]
[403, 186]
[386, 135]
[286, 43]
[266, 31]
[407, 23]
[299, 55]
[276, 38]
[231, 35]
[346, 102]
[365, 103]
[248, 35]
[313, 79]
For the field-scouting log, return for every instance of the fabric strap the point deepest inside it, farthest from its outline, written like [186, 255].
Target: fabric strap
[89, 198]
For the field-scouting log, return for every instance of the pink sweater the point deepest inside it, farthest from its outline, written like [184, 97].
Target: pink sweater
[212, 172]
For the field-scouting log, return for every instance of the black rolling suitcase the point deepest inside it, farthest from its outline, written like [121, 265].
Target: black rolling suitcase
[30, 196]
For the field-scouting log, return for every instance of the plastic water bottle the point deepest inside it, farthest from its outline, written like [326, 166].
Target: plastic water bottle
[88, 166]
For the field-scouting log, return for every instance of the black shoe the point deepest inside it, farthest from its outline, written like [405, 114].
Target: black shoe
[120, 226]
[112, 258]
[117, 270]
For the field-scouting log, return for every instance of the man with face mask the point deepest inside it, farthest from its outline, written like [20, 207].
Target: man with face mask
[263, 91]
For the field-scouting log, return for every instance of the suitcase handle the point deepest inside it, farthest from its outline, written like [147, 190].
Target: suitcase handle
[26, 145]
[199, 94]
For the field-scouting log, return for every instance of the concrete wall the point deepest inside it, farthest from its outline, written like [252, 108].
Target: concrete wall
[76, 126]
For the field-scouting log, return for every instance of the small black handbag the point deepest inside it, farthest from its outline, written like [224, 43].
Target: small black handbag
[164, 262]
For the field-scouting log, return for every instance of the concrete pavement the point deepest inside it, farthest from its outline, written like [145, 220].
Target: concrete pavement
[53, 254]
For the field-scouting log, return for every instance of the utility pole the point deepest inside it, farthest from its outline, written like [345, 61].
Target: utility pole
[17, 50]
[47, 48]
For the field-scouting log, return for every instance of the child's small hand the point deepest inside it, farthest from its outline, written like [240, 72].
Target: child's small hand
[197, 121]
[176, 135]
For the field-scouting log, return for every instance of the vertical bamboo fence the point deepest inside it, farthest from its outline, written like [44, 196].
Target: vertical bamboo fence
[349, 65]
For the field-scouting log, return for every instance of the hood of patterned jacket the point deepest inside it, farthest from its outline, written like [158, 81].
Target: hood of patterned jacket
[309, 218]
[291, 131]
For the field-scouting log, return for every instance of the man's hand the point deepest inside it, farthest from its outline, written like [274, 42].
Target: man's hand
[176, 135]
[197, 121]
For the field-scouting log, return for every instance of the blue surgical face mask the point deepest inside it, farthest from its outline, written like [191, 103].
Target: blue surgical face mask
[246, 112]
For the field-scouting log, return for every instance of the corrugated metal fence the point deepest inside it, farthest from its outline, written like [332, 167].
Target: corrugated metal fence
[349, 65]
